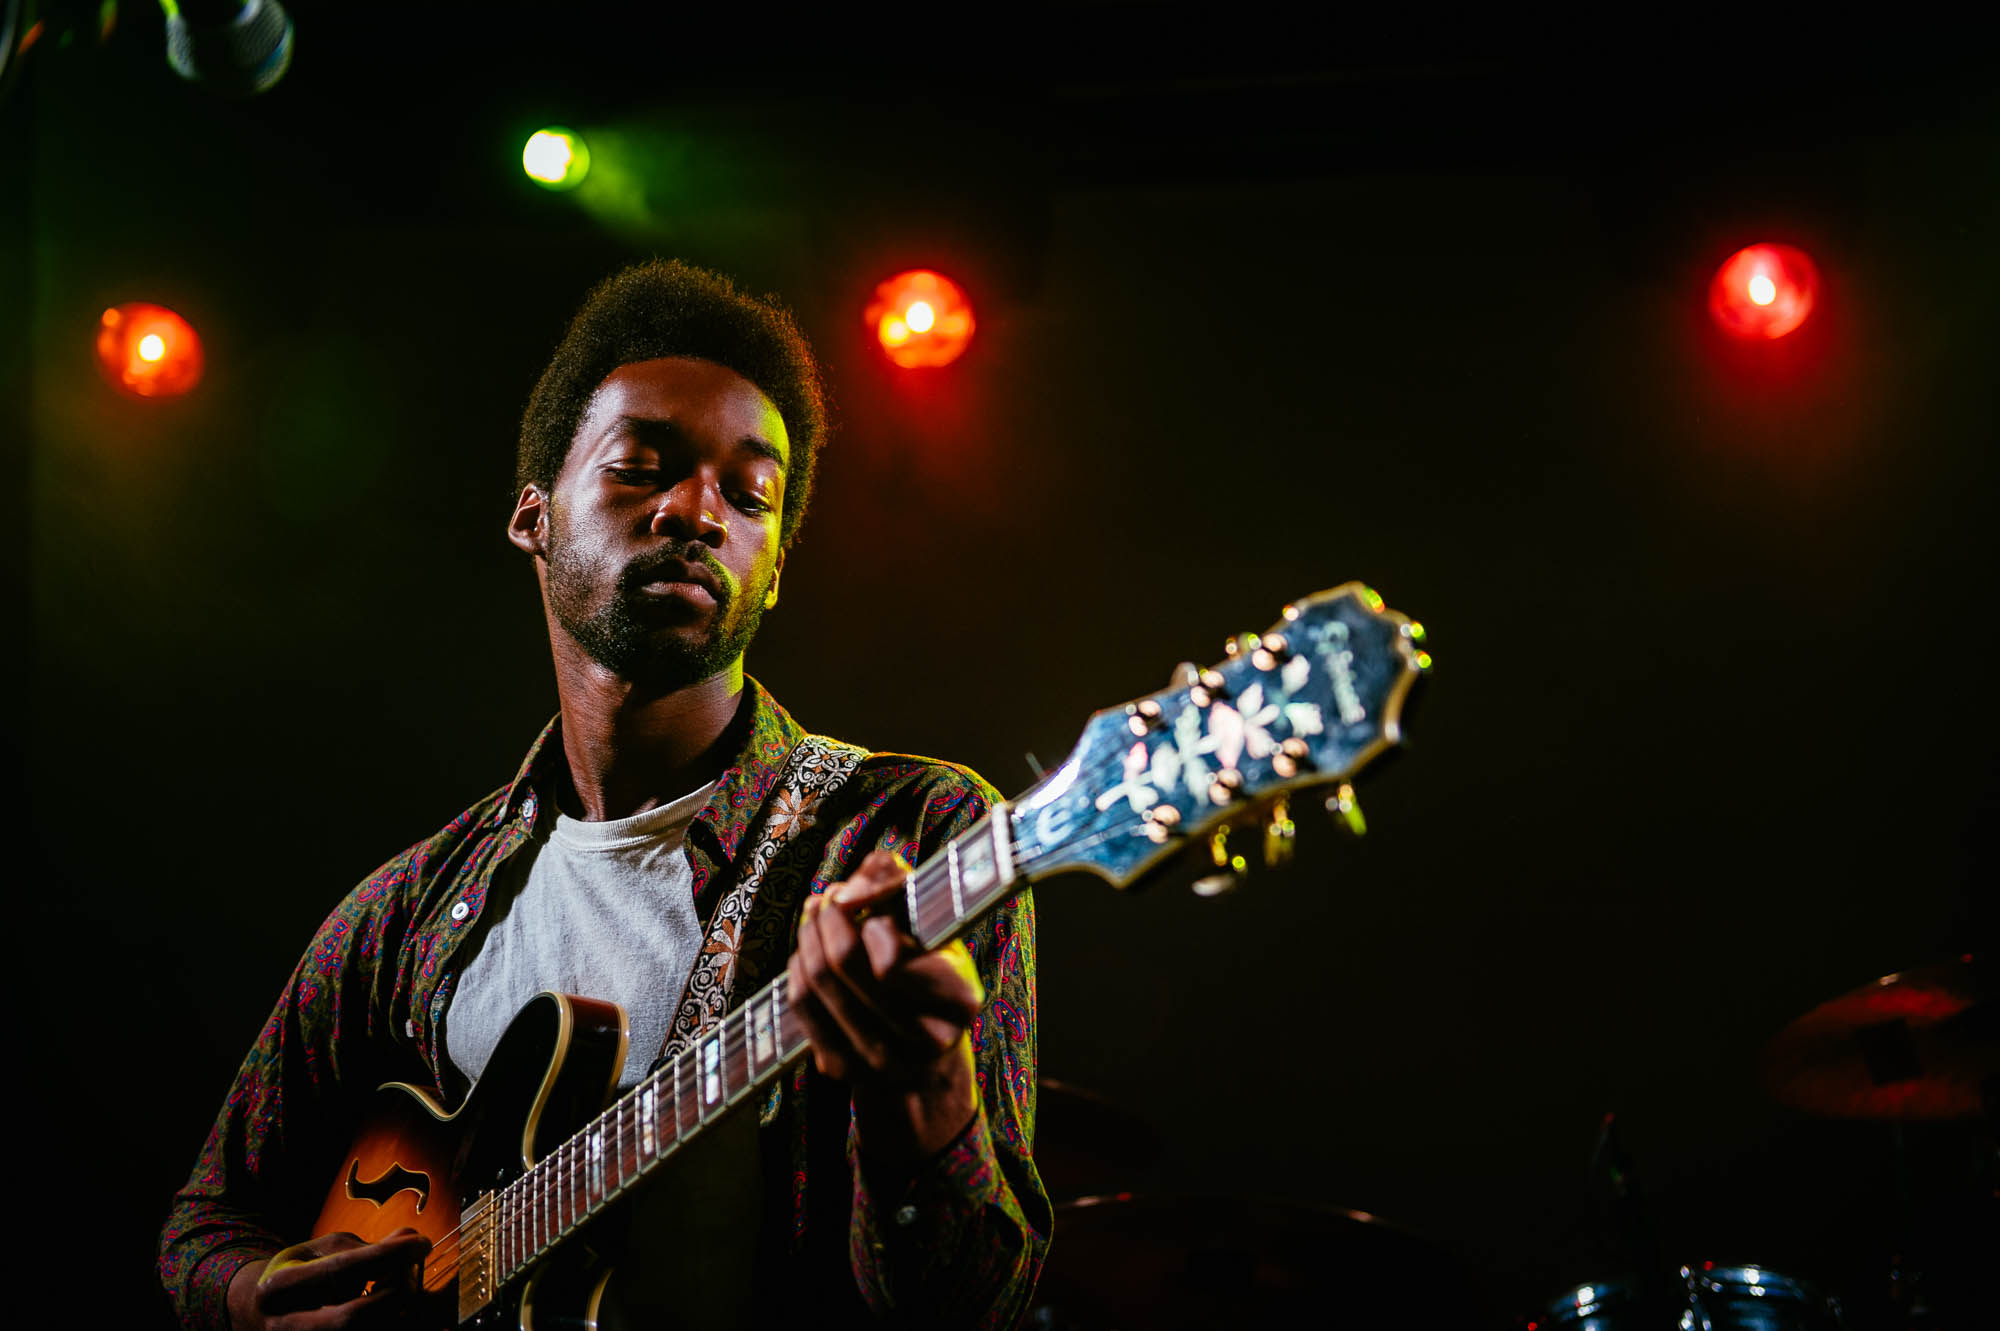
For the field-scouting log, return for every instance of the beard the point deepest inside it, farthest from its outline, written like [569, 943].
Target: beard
[637, 637]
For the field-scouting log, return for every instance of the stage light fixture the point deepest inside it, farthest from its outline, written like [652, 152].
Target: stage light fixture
[921, 318]
[556, 158]
[1763, 291]
[148, 350]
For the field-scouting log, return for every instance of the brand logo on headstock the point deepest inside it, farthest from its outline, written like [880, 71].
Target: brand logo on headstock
[1340, 664]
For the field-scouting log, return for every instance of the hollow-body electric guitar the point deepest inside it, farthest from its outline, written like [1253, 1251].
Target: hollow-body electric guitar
[509, 1185]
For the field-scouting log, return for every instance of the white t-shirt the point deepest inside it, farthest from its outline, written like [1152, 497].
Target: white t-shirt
[605, 910]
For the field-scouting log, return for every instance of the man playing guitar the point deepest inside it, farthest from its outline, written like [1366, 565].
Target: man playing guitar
[666, 459]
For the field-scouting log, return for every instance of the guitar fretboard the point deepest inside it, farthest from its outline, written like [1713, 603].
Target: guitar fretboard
[509, 1229]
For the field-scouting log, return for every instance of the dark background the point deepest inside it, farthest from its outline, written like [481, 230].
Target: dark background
[1262, 309]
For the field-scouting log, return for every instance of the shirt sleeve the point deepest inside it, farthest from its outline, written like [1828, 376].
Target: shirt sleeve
[962, 1244]
[261, 1175]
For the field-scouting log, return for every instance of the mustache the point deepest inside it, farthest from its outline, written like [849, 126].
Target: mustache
[670, 561]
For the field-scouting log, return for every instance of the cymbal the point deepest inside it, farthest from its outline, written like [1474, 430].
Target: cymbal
[1172, 1260]
[1918, 1044]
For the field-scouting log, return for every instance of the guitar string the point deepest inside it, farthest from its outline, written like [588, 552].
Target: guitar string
[530, 1202]
[536, 1201]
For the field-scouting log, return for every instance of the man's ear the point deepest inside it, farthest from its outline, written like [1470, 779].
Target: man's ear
[529, 527]
[771, 596]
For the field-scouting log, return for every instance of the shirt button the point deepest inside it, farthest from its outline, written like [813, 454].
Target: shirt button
[906, 1216]
[460, 911]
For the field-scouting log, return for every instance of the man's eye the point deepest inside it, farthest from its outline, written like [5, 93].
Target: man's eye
[635, 475]
[750, 503]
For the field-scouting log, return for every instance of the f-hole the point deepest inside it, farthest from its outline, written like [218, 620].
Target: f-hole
[382, 1190]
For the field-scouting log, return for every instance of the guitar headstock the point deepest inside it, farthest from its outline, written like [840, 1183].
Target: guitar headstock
[1306, 703]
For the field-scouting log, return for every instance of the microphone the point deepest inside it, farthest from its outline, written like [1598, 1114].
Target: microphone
[234, 47]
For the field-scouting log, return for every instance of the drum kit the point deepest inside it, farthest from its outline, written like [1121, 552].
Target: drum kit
[1916, 1047]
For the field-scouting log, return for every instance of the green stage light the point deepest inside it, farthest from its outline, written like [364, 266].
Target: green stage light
[556, 158]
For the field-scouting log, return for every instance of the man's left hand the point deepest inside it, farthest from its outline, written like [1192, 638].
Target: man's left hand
[887, 1017]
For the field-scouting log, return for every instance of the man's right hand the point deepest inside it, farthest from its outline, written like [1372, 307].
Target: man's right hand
[318, 1285]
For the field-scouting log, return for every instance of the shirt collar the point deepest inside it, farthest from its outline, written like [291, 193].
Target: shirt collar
[744, 785]
[739, 792]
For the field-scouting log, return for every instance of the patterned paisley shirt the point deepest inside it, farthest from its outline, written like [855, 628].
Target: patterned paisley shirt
[960, 1244]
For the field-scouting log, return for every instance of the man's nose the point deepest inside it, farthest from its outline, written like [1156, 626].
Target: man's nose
[691, 511]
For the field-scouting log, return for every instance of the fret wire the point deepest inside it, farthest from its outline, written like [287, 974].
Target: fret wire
[599, 1173]
[538, 1207]
[638, 1159]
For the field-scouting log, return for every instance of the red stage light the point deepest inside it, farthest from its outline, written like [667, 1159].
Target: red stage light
[1763, 291]
[921, 318]
[148, 350]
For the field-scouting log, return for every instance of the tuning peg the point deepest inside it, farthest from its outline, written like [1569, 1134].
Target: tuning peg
[1161, 820]
[1184, 675]
[1346, 811]
[1291, 755]
[1279, 834]
[1231, 867]
[1143, 716]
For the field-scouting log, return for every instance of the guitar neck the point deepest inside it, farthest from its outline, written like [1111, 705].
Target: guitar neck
[509, 1229]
